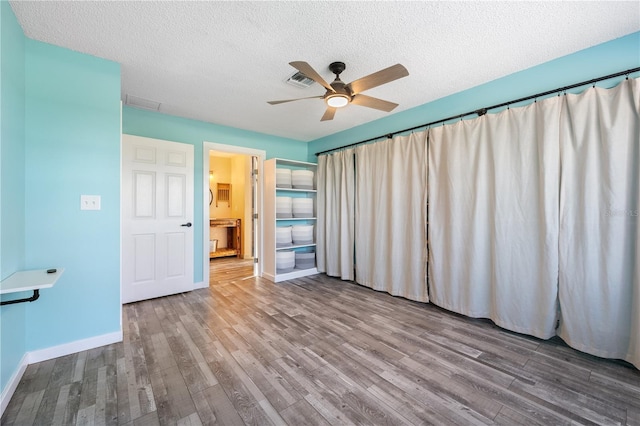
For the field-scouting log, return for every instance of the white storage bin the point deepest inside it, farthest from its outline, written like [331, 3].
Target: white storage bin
[302, 179]
[302, 234]
[305, 260]
[284, 207]
[283, 236]
[285, 261]
[283, 178]
[302, 207]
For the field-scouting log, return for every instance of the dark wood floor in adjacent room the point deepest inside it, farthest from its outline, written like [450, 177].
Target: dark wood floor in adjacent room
[317, 350]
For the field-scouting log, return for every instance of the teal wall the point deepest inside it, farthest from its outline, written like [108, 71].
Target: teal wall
[160, 126]
[607, 58]
[72, 119]
[12, 186]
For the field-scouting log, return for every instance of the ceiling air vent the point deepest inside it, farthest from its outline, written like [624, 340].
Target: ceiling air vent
[137, 102]
[299, 80]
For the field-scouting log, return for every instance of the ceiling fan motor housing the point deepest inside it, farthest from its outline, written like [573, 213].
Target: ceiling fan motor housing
[339, 87]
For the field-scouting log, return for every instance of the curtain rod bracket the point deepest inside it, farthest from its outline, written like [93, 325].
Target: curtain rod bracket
[481, 112]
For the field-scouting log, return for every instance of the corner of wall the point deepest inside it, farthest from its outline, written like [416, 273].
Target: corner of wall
[12, 151]
[14, 380]
[13, 354]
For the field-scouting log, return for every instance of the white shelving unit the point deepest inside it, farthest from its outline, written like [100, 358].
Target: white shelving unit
[271, 222]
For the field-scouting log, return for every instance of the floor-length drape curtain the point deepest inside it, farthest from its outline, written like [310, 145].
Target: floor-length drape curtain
[336, 209]
[391, 216]
[599, 235]
[493, 217]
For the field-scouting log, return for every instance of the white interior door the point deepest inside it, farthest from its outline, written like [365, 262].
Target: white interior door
[157, 218]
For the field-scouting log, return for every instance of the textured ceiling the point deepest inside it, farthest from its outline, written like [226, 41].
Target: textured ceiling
[221, 61]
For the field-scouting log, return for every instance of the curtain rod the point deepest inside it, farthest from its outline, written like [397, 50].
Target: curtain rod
[483, 111]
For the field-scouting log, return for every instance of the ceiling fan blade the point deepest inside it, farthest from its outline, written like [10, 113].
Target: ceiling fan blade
[371, 102]
[291, 100]
[307, 70]
[328, 114]
[379, 78]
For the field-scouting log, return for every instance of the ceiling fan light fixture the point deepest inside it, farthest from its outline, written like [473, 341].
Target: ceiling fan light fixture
[337, 100]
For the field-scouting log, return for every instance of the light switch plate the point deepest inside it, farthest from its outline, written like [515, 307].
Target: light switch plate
[89, 202]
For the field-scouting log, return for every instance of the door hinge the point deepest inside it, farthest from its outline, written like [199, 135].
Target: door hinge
[255, 260]
[255, 215]
[255, 171]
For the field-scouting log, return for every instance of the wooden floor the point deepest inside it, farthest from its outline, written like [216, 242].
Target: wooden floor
[317, 350]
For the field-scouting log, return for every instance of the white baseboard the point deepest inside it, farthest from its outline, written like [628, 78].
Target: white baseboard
[73, 347]
[8, 390]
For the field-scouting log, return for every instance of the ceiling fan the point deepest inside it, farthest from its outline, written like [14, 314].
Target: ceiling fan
[339, 95]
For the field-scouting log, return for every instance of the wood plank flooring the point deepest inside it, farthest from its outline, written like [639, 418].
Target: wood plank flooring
[319, 351]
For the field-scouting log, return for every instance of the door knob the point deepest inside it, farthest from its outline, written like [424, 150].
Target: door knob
[188, 224]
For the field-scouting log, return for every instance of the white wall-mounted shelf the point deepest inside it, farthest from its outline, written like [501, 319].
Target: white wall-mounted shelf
[33, 280]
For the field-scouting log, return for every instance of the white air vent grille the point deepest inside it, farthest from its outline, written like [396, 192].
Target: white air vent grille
[137, 102]
[299, 80]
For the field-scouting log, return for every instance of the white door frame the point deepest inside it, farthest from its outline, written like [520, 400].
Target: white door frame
[207, 147]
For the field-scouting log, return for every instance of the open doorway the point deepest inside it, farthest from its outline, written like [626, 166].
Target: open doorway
[232, 237]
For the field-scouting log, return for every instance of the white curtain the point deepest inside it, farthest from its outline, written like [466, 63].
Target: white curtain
[391, 196]
[336, 207]
[599, 235]
[493, 217]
